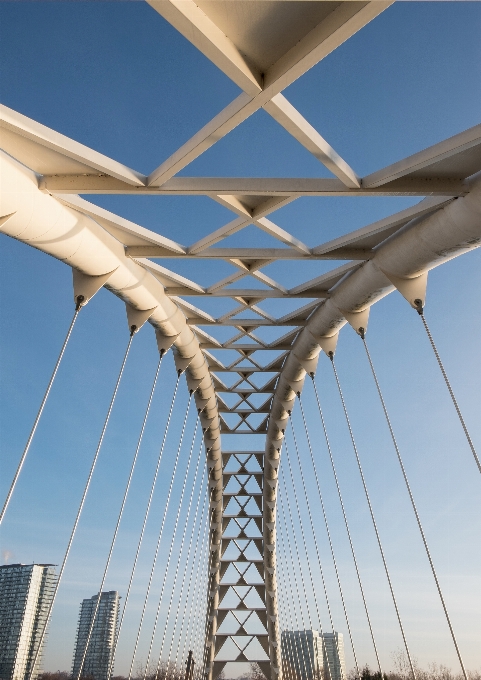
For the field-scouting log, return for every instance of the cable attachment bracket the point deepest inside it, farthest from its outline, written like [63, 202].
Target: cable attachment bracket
[79, 302]
[418, 306]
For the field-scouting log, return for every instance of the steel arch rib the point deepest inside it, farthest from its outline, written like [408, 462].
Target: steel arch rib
[40, 220]
[72, 230]
[406, 257]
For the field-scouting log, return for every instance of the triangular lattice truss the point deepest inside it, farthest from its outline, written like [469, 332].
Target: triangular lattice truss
[263, 46]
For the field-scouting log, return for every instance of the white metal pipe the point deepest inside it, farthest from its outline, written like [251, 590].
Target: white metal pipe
[419, 246]
[40, 220]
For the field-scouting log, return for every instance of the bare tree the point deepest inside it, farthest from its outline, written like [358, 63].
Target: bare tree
[402, 671]
[58, 675]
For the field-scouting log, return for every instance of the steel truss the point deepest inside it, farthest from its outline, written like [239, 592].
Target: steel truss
[42, 172]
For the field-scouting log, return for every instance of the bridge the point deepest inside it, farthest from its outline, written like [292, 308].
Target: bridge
[250, 501]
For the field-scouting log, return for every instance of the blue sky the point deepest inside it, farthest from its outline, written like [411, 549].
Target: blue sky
[116, 77]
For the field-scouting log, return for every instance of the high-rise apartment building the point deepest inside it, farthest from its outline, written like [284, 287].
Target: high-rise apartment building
[302, 654]
[98, 655]
[309, 655]
[333, 656]
[26, 592]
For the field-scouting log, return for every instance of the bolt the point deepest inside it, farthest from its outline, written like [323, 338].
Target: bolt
[418, 303]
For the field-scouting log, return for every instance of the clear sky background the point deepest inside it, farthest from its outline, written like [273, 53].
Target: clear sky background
[116, 77]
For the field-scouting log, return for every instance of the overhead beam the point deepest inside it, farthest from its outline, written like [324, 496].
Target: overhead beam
[256, 254]
[45, 138]
[244, 411]
[340, 25]
[201, 31]
[125, 231]
[229, 118]
[168, 278]
[325, 281]
[343, 22]
[281, 235]
[244, 322]
[219, 234]
[421, 161]
[247, 370]
[236, 390]
[216, 187]
[250, 346]
[247, 292]
[296, 125]
[386, 225]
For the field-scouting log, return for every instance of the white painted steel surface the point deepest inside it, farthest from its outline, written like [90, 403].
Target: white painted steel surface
[263, 46]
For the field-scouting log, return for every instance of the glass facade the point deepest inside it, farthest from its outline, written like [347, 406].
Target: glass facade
[26, 592]
[98, 656]
[308, 655]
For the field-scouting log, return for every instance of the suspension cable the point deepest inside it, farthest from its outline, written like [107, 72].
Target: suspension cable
[290, 562]
[78, 307]
[181, 549]
[287, 650]
[188, 600]
[188, 562]
[196, 643]
[81, 506]
[286, 610]
[315, 540]
[309, 618]
[157, 547]
[304, 542]
[210, 572]
[305, 546]
[331, 546]
[418, 519]
[371, 511]
[198, 578]
[119, 518]
[448, 385]
[283, 625]
[144, 524]
[348, 531]
[181, 499]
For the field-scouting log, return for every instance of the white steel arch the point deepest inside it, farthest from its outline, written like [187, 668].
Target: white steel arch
[42, 173]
